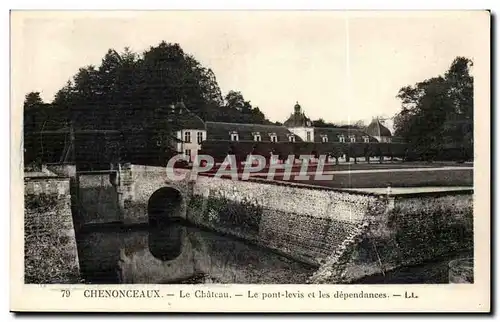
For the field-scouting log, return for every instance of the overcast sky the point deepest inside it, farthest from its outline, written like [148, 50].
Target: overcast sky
[340, 66]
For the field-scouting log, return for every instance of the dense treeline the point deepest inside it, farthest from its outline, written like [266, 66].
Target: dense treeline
[358, 125]
[438, 114]
[131, 93]
[143, 86]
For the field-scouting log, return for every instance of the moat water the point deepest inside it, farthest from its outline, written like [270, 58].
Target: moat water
[181, 253]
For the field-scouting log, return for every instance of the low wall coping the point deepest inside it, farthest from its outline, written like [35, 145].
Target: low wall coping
[299, 185]
[96, 172]
[45, 177]
[418, 191]
[377, 192]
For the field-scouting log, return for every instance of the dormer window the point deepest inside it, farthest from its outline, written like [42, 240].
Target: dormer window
[256, 136]
[273, 137]
[341, 138]
[366, 138]
[353, 138]
[234, 136]
[324, 138]
[291, 138]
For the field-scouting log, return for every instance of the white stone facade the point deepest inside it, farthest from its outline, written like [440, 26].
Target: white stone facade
[302, 132]
[190, 141]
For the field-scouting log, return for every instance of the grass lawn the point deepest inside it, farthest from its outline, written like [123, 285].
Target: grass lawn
[363, 166]
[438, 178]
[395, 179]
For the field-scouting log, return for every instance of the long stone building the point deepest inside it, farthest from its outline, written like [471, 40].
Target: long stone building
[297, 128]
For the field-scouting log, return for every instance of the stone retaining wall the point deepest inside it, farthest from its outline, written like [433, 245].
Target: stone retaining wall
[307, 224]
[50, 246]
[348, 235]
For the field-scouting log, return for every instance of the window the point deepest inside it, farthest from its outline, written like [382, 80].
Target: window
[187, 137]
[187, 152]
[234, 136]
[308, 136]
[367, 139]
[200, 137]
[256, 136]
[291, 138]
[341, 138]
[353, 138]
[324, 138]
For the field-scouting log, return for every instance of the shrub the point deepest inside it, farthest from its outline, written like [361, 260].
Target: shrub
[431, 226]
[242, 214]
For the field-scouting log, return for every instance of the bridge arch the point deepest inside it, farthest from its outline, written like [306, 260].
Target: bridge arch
[165, 205]
[166, 232]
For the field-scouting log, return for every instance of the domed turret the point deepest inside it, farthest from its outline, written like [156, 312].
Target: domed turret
[298, 118]
[297, 108]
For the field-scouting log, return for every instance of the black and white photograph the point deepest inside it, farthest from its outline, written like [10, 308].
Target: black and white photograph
[259, 147]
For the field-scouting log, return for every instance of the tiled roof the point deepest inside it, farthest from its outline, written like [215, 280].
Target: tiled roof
[377, 129]
[221, 131]
[187, 119]
[332, 133]
[298, 119]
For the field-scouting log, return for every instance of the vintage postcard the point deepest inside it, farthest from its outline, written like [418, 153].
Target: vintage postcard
[250, 161]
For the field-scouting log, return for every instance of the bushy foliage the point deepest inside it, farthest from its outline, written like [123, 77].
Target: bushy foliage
[132, 93]
[420, 229]
[438, 113]
[244, 214]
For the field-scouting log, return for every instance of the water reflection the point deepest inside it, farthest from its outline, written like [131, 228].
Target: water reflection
[177, 253]
[164, 205]
[165, 230]
[165, 240]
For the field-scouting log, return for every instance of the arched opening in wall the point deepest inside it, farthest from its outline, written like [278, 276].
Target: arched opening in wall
[164, 206]
[166, 231]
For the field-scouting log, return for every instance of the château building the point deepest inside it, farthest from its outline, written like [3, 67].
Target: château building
[297, 128]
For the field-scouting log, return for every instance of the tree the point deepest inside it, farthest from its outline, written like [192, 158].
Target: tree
[359, 125]
[32, 100]
[438, 112]
[133, 93]
[32, 107]
[319, 123]
[235, 100]
[322, 123]
[236, 109]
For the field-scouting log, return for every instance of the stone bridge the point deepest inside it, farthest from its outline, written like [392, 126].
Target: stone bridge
[346, 235]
